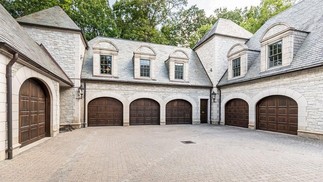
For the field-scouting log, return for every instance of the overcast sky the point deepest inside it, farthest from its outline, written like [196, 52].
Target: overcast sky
[210, 5]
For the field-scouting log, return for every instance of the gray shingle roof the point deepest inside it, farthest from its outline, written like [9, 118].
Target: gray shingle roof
[225, 27]
[52, 17]
[305, 16]
[12, 34]
[197, 74]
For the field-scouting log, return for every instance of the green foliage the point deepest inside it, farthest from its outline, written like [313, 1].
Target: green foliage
[163, 21]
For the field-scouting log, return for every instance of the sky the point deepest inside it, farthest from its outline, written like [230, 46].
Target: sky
[210, 5]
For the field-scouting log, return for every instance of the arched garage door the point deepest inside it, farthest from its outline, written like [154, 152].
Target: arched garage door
[105, 111]
[178, 112]
[237, 113]
[34, 117]
[278, 114]
[144, 112]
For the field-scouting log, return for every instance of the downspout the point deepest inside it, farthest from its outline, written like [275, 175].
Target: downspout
[9, 102]
[219, 107]
[211, 103]
[84, 107]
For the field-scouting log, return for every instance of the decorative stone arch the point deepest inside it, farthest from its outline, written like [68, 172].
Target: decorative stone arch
[179, 54]
[146, 50]
[274, 30]
[94, 95]
[105, 45]
[237, 48]
[299, 98]
[20, 76]
[241, 96]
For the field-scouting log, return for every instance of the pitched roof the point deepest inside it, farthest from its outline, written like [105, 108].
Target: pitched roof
[52, 17]
[225, 27]
[124, 59]
[12, 34]
[305, 16]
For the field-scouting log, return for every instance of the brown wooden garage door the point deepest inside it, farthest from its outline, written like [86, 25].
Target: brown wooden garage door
[237, 113]
[144, 112]
[33, 112]
[105, 111]
[278, 114]
[178, 112]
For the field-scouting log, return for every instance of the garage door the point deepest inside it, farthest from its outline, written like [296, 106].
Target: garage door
[178, 112]
[278, 114]
[237, 113]
[33, 115]
[144, 112]
[105, 112]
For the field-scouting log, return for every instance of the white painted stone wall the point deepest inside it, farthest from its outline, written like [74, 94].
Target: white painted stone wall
[67, 48]
[213, 55]
[126, 93]
[20, 74]
[305, 87]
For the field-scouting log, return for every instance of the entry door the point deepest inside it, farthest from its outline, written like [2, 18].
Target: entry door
[203, 110]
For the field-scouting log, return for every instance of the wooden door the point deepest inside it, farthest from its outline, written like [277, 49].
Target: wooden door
[203, 110]
[33, 112]
[237, 113]
[105, 111]
[144, 112]
[178, 112]
[278, 114]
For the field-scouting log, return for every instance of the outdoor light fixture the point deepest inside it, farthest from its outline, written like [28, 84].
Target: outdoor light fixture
[80, 92]
[213, 96]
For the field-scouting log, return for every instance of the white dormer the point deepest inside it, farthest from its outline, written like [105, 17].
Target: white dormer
[144, 63]
[279, 44]
[104, 59]
[177, 64]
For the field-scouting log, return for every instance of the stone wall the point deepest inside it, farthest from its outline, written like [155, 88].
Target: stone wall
[20, 74]
[67, 48]
[126, 93]
[305, 87]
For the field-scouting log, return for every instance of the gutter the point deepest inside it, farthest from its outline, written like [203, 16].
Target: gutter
[9, 102]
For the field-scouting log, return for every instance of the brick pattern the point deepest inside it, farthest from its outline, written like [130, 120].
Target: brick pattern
[127, 154]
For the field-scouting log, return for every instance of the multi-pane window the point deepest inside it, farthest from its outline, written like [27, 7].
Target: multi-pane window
[236, 67]
[275, 54]
[106, 64]
[145, 68]
[179, 70]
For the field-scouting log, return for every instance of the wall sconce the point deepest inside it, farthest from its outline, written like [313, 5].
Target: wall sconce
[80, 92]
[213, 96]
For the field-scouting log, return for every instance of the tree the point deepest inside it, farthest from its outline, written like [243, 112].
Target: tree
[236, 15]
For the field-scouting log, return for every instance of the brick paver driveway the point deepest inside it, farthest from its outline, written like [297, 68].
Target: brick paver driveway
[155, 153]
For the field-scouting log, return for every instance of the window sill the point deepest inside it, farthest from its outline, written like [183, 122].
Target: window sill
[145, 78]
[106, 76]
[179, 81]
[237, 77]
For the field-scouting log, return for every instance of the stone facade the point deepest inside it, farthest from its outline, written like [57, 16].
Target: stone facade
[68, 49]
[127, 92]
[305, 87]
[20, 74]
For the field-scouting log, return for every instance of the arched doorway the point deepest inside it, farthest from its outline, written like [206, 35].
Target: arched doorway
[237, 113]
[105, 111]
[34, 111]
[278, 114]
[178, 112]
[144, 112]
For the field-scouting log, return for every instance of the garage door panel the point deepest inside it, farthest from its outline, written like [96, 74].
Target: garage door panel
[281, 114]
[237, 113]
[105, 111]
[178, 112]
[144, 112]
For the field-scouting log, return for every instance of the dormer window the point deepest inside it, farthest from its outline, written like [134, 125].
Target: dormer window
[144, 63]
[179, 71]
[275, 54]
[236, 67]
[177, 64]
[144, 68]
[106, 64]
[279, 44]
[104, 59]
